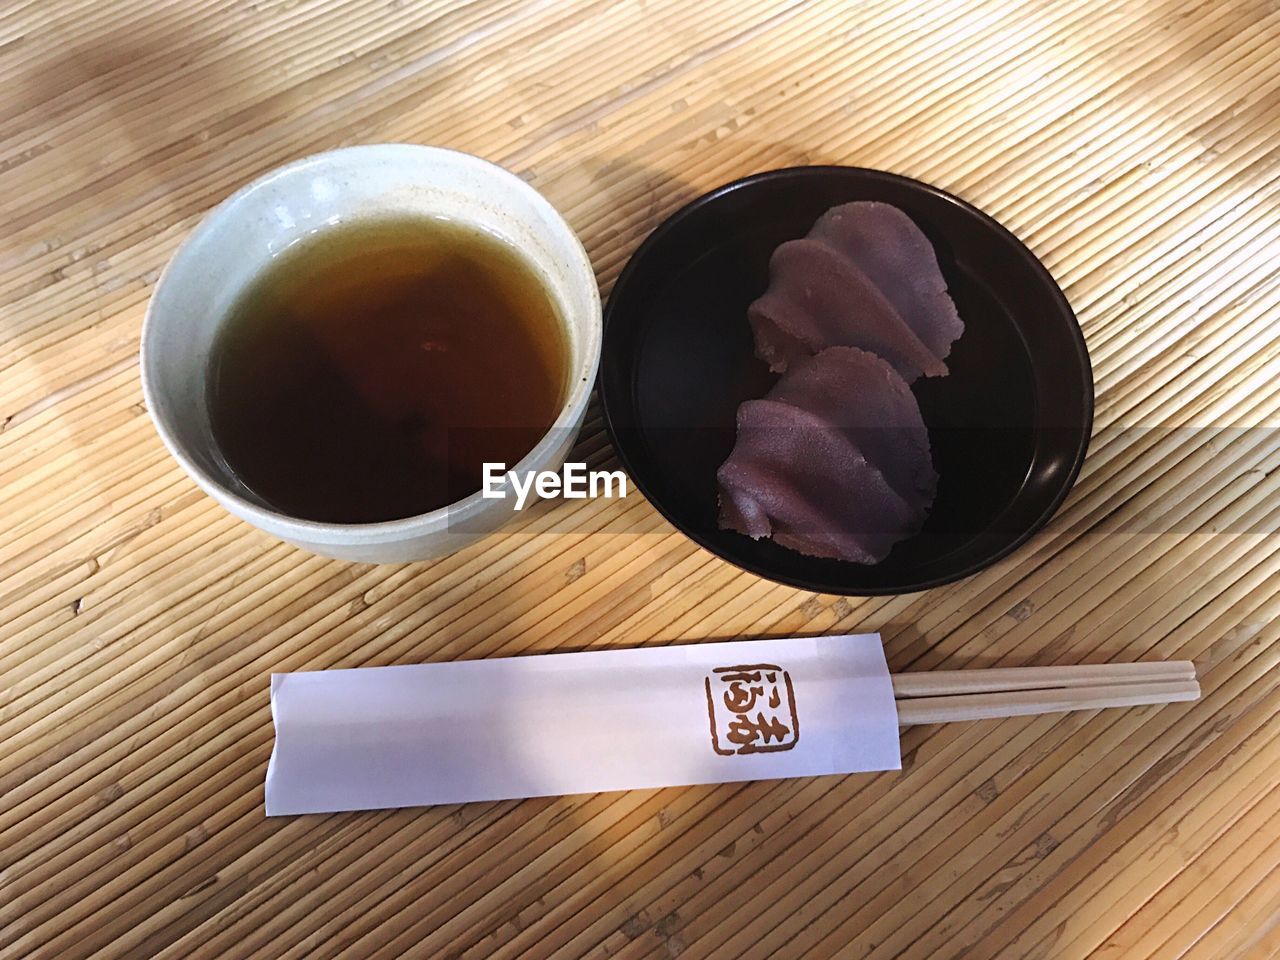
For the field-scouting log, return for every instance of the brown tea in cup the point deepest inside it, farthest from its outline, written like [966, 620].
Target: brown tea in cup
[373, 367]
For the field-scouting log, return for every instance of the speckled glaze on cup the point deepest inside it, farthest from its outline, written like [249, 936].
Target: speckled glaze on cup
[237, 240]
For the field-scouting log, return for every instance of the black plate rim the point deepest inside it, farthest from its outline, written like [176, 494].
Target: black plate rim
[1081, 356]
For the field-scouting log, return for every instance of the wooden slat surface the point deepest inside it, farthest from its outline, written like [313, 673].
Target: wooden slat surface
[1132, 146]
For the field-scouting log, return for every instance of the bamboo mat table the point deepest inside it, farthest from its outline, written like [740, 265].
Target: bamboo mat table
[1132, 146]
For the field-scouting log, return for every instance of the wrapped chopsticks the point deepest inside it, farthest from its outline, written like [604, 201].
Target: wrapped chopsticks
[643, 717]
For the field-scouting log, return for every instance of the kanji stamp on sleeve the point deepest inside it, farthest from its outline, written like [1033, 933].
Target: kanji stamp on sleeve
[752, 708]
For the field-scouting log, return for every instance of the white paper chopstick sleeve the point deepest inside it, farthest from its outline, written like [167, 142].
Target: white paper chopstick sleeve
[542, 725]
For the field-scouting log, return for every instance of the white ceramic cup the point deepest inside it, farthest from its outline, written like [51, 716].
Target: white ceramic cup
[238, 239]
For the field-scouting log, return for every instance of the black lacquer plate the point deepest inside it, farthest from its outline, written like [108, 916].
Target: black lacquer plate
[1009, 427]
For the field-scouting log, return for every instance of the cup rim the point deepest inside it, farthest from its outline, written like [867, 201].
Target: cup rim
[287, 525]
